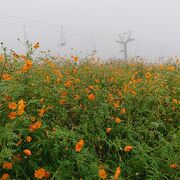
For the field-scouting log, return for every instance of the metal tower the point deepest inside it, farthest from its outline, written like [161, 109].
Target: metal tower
[125, 38]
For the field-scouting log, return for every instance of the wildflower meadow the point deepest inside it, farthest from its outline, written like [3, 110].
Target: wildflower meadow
[76, 119]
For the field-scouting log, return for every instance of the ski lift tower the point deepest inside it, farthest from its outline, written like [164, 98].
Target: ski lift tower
[125, 38]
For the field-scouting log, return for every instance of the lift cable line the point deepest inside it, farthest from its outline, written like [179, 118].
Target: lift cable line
[45, 24]
[125, 38]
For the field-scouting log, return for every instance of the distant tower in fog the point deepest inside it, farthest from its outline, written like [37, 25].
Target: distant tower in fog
[125, 38]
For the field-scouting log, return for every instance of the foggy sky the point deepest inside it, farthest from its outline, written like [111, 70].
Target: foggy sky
[155, 25]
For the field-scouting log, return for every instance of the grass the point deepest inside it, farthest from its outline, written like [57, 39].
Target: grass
[72, 119]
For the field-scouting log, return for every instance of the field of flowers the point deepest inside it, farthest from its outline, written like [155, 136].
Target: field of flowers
[82, 120]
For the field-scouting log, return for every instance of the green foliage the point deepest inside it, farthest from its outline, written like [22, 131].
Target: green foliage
[56, 94]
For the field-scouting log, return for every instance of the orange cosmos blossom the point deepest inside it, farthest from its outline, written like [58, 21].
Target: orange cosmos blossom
[12, 115]
[118, 120]
[40, 173]
[62, 102]
[102, 174]
[6, 77]
[21, 107]
[12, 105]
[35, 126]
[74, 58]
[108, 130]
[117, 173]
[28, 138]
[91, 97]
[128, 148]
[7, 165]
[173, 166]
[27, 152]
[36, 46]
[27, 66]
[68, 84]
[79, 145]
[123, 111]
[41, 112]
[5, 176]
[1, 58]
[171, 68]
[148, 75]
[116, 105]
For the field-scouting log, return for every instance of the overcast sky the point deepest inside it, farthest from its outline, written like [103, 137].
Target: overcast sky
[155, 25]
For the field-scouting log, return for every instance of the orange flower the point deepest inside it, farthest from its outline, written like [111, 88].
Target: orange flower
[108, 130]
[1, 58]
[47, 174]
[91, 97]
[79, 145]
[40, 173]
[28, 138]
[21, 107]
[118, 120]
[62, 102]
[102, 174]
[116, 105]
[173, 166]
[27, 66]
[123, 111]
[41, 112]
[117, 173]
[68, 84]
[12, 115]
[128, 148]
[35, 126]
[6, 77]
[76, 97]
[19, 142]
[64, 94]
[171, 68]
[75, 58]
[5, 176]
[27, 152]
[7, 165]
[36, 46]
[148, 75]
[12, 105]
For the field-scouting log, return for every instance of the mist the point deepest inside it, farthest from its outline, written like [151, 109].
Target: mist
[155, 26]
